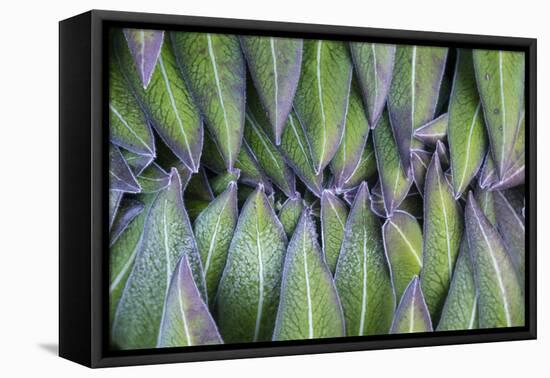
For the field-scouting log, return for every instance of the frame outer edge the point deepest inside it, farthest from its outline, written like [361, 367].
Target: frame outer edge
[75, 336]
[98, 356]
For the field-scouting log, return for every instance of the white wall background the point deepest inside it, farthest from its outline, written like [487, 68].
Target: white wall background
[29, 186]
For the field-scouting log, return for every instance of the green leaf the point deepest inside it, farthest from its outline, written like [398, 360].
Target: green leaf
[309, 307]
[362, 274]
[167, 102]
[186, 320]
[220, 182]
[145, 47]
[412, 314]
[460, 309]
[394, 180]
[128, 125]
[403, 244]
[515, 175]
[167, 236]
[121, 177]
[115, 197]
[374, 66]
[433, 131]
[412, 204]
[467, 137]
[321, 99]
[127, 211]
[501, 302]
[334, 214]
[274, 65]
[356, 131]
[153, 178]
[122, 254]
[488, 175]
[414, 92]
[213, 231]
[420, 160]
[268, 156]
[500, 79]
[214, 68]
[486, 202]
[443, 226]
[365, 169]
[248, 294]
[136, 162]
[289, 215]
[294, 146]
[251, 173]
[510, 224]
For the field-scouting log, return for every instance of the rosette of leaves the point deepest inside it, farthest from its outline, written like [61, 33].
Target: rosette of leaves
[265, 189]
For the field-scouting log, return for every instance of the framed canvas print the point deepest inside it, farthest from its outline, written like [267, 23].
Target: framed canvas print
[234, 188]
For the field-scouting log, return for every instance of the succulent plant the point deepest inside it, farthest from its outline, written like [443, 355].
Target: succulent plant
[266, 189]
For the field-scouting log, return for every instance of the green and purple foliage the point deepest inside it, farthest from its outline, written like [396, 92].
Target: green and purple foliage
[265, 188]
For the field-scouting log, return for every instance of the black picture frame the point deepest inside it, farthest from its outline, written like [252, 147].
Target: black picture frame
[83, 199]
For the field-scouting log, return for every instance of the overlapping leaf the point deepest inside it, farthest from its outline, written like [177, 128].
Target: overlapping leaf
[290, 212]
[394, 180]
[127, 211]
[121, 177]
[220, 182]
[214, 69]
[145, 47]
[122, 254]
[501, 302]
[295, 148]
[168, 103]
[248, 293]
[309, 307]
[511, 226]
[266, 153]
[443, 226]
[374, 66]
[467, 136]
[362, 275]
[334, 214]
[321, 99]
[274, 65]
[500, 79]
[460, 310]
[167, 236]
[128, 125]
[213, 231]
[414, 92]
[251, 173]
[433, 131]
[412, 314]
[365, 169]
[403, 245]
[186, 320]
[356, 131]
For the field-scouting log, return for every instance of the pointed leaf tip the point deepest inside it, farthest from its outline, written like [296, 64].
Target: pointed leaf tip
[412, 314]
[443, 228]
[248, 292]
[334, 214]
[402, 237]
[145, 46]
[309, 306]
[501, 299]
[186, 320]
[362, 270]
